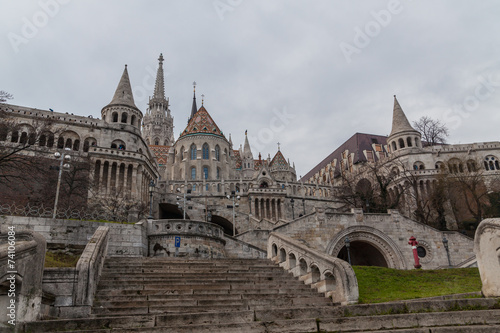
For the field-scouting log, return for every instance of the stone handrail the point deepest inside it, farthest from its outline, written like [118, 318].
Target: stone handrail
[487, 249]
[22, 273]
[89, 268]
[329, 275]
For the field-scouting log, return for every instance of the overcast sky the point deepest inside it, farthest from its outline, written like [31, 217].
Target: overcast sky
[306, 74]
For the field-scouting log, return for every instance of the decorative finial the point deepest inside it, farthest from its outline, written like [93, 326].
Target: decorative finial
[160, 59]
[394, 96]
[125, 65]
[278, 146]
[202, 99]
[246, 131]
[194, 86]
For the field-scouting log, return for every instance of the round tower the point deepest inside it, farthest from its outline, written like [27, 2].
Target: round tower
[403, 135]
[122, 109]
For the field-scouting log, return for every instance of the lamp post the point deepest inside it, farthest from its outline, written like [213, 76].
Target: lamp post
[293, 213]
[235, 204]
[63, 157]
[151, 189]
[445, 243]
[304, 205]
[348, 247]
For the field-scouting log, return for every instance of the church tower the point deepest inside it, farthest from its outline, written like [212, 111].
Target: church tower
[403, 135]
[122, 109]
[158, 123]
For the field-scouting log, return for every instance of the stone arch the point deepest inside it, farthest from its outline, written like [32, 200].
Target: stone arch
[401, 143]
[225, 224]
[292, 260]
[170, 211]
[282, 255]
[374, 238]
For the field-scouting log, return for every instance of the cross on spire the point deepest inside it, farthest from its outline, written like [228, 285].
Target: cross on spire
[202, 99]
[160, 59]
[279, 146]
[194, 85]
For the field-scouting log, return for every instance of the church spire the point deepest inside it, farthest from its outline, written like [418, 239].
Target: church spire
[159, 92]
[123, 94]
[399, 121]
[247, 152]
[194, 108]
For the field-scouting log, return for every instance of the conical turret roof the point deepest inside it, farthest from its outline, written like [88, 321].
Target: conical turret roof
[123, 94]
[399, 121]
[202, 123]
[247, 151]
[159, 92]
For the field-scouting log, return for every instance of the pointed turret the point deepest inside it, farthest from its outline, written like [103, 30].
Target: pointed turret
[123, 94]
[122, 108]
[194, 108]
[247, 151]
[403, 135]
[399, 121]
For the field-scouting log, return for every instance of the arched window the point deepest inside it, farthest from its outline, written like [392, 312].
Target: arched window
[193, 151]
[193, 173]
[217, 153]
[69, 143]
[394, 147]
[401, 143]
[24, 138]
[60, 142]
[182, 153]
[157, 142]
[205, 151]
[115, 117]
[132, 120]
[43, 140]
[205, 172]
[76, 145]
[218, 173]
[408, 141]
[124, 117]
[227, 156]
[491, 163]
[417, 142]
[4, 130]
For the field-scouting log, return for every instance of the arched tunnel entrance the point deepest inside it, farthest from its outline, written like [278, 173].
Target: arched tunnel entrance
[170, 211]
[224, 223]
[363, 254]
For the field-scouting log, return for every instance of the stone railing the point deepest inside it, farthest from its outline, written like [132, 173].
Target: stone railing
[74, 288]
[22, 255]
[487, 249]
[89, 268]
[327, 274]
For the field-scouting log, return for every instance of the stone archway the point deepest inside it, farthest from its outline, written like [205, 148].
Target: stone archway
[224, 223]
[370, 247]
[170, 211]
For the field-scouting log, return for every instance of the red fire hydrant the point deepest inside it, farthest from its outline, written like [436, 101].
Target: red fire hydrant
[413, 242]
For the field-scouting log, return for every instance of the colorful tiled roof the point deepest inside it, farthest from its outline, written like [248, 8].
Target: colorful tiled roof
[161, 153]
[279, 161]
[202, 123]
[237, 159]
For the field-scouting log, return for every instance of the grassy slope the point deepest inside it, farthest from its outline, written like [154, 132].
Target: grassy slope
[377, 284]
[54, 259]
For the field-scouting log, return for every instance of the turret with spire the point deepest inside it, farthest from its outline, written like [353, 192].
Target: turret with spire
[194, 108]
[122, 108]
[158, 122]
[403, 135]
[248, 163]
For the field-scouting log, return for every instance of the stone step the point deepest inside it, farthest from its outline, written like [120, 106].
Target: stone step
[175, 275]
[251, 303]
[444, 322]
[133, 310]
[250, 285]
[175, 292]
[212, 279]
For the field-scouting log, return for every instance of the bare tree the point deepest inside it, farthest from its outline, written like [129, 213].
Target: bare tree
[4, 96]
[432, 130]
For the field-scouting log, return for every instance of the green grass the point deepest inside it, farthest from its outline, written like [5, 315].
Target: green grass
[59, 259]
[377, 284]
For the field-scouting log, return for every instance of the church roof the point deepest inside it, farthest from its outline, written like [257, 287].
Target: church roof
[237, 159]
[123, 94]
[279, 161]
[399, 121]
[202, 123]
[161, 153]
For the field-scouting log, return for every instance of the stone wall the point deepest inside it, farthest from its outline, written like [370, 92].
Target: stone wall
[236, 248]
[124, 239]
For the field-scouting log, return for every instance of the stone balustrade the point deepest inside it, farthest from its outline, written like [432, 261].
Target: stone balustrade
[197, 238]
[329, 275]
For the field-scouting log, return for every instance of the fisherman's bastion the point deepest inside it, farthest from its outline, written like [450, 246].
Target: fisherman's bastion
[198, 196]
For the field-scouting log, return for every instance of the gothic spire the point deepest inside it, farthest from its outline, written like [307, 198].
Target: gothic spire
[194, 108]
[399, 121]
[123, 94]
[159, 92]
[247, 152]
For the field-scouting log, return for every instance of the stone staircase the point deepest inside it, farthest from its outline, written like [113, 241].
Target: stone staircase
[250, 295]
